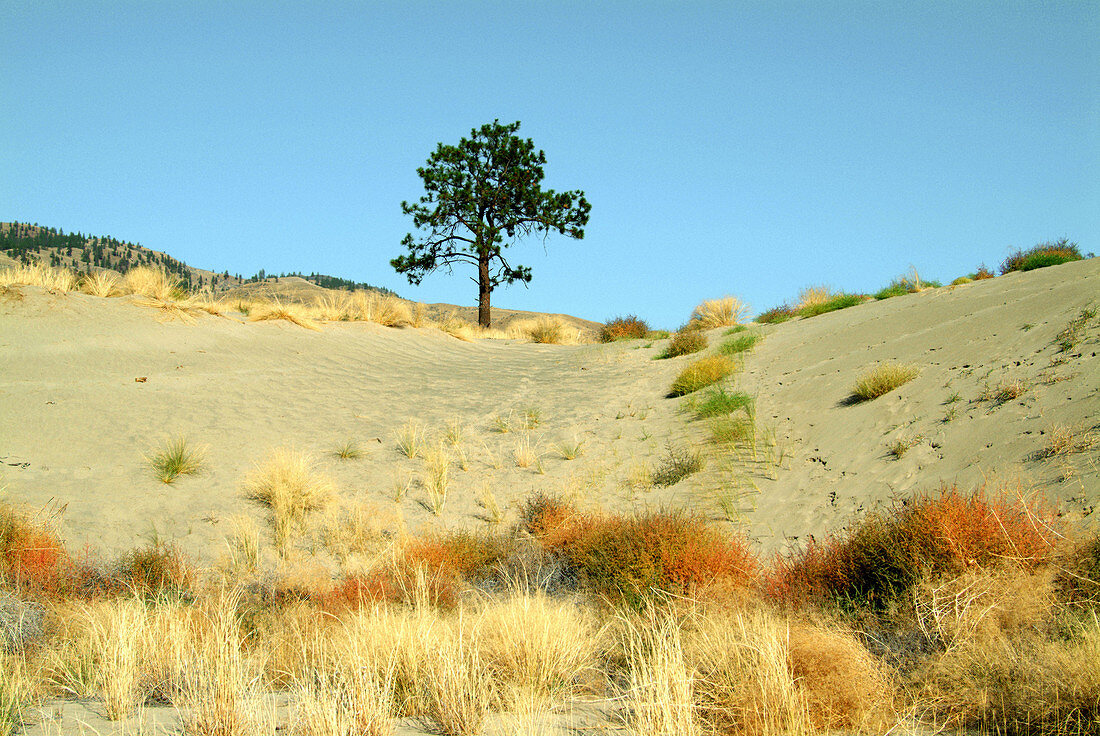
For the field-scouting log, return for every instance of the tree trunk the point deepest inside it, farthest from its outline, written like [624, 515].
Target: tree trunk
[484, 289]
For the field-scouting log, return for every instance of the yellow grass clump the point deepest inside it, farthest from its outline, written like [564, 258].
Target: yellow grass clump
[812, 296]
[293, 313]
[702, 373]
[290, 485]
[101, 284]
[883, 379]
[724, 312]
[547, 329]
[59, 280]
[154, 283]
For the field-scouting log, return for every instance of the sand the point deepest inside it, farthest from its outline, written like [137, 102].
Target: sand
[90, 387]
[77, 423]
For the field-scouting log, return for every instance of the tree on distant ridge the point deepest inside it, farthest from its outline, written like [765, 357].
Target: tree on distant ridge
[481, 196]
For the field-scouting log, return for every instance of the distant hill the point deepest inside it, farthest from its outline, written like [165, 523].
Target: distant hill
[27, 243]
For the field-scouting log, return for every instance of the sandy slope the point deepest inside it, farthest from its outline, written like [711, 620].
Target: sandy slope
[75, 425]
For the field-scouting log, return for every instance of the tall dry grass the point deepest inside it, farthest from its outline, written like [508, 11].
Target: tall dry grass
[154, 283]
[101, 283]
[546, 329]
[58, 280]
[290, 485]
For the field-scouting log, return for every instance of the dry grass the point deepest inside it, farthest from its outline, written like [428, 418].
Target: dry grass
[293, 313]
[154, 283]
[411, 439]
[724, 312]
[883, 379]
[290, 485]
[546, 329]
[814, 296]
[57, 280]
[1067, 440]
[101, 283]
[662, 682]
[437, 477]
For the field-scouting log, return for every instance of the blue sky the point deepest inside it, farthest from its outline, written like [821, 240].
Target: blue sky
[751, 148]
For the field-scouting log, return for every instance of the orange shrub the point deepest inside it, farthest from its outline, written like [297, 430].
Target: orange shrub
[628, 558]
[629, 327]
[32, 558]
[882, 556]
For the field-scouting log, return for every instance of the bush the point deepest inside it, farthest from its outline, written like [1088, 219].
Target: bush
[629, 558]
[981, 274]
[629, 327]
[1050, 253]
[775, 315]
[678, 463]
[32, 559]
[882, 380]
[688, 340]
[702, 373]
[729, 310]
[841, 301]
[883, 556]
[156, 571]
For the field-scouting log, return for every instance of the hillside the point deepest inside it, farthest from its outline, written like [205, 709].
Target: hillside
[993, 388]
[26, 243]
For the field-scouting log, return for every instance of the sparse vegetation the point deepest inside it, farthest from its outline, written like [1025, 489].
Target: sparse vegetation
[410, 439]
[1069, 337]
[702, 373]
[717, 402]
[840, 301]
[677, 464]
[738, 344]
[775, 315]
[175, 459]
[882, 380]
[349, 449]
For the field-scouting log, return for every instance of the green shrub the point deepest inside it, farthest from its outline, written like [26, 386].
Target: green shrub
[688, 340]
[1050, 253]
[961, 280]
[176, 459]
[719, 403]
[882, 380]
[775, 315]
[739, 344]
[702, 373]
[629, 327]
[678, 463]
[842, 301]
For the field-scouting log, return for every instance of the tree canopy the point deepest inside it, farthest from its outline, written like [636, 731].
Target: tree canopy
[481, 197]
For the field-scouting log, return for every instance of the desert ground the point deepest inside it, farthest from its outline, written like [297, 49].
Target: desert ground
[91, 389]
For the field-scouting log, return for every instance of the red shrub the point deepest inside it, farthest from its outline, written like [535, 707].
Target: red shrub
[883, 555]
[624, 328]
[32, 558]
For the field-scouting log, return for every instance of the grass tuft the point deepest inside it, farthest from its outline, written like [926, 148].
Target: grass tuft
[702, 373]
[741, 343]
[776, 315]
[882, 380]
[289, 484]
[176, 459]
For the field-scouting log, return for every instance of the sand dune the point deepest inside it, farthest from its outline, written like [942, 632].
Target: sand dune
[76, 426]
